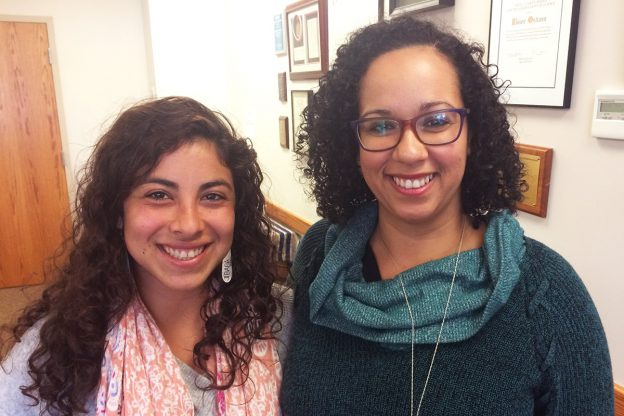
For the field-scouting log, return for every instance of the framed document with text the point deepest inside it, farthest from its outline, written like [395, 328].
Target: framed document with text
[533, 42]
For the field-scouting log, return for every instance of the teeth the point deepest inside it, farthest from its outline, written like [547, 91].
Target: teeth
[412, 183]
[183, 254]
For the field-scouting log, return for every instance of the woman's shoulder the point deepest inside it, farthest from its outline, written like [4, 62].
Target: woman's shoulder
[569, 337]
[310, 252]
[14, 374]
[22, 350]
[557, 298]
[547, 271]
[538, 252]
[314, 236]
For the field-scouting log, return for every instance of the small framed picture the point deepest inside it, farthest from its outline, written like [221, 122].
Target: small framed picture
[537, 163]
[283, 132]
[281, 86]
[299, 100]
[279, 30]
[306, 28]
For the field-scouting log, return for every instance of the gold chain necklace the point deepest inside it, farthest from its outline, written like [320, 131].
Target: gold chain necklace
[411, 315]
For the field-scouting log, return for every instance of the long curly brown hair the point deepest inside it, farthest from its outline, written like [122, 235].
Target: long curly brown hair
[329, 150]
[93, 287]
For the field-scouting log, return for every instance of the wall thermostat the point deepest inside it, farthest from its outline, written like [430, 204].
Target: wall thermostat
[608, 117]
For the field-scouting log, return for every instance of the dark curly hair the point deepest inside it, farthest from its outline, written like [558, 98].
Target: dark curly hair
[93, 287]
[329, 152]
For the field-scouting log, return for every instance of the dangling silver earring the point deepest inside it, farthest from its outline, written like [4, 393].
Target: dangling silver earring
[226, 267]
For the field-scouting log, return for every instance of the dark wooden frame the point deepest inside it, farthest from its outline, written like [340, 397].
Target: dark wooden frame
[416, 6]
[544, 159]
[539, 100]
[283, 132]
[281, 87]
[323, 64]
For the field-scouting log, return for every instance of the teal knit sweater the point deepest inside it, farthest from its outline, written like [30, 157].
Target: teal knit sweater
[543, 353]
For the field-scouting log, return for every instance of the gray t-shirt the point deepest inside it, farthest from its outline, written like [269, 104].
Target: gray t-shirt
[203, 400]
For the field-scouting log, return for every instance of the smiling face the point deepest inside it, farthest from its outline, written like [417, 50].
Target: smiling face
[413, 183]
[179, 222]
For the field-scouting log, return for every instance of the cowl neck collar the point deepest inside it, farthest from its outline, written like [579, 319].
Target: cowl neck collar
[341, 299]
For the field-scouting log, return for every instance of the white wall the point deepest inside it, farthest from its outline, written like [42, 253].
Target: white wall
[234, 48]
[190, 49]
[100, 64]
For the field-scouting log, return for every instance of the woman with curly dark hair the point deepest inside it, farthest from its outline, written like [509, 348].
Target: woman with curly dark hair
[418, 292]
[164, 305]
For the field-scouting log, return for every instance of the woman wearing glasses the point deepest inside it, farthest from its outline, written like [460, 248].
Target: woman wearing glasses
[418, 292]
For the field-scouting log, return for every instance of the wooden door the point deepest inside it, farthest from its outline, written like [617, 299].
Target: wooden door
[33, 201]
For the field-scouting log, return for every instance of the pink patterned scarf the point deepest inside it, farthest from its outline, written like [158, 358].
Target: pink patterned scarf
[140, 375]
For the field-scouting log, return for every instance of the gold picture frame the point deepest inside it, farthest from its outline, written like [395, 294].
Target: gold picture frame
[537, 163]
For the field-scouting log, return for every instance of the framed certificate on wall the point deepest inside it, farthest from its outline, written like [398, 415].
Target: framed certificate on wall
[306, 26]
[532, 43]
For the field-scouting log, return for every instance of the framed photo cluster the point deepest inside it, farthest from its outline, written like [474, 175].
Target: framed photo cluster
[300, 34]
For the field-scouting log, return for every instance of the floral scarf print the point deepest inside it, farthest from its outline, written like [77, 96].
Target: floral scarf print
[140, 375]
